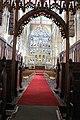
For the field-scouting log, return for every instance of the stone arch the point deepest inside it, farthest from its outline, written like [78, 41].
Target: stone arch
[47, 13]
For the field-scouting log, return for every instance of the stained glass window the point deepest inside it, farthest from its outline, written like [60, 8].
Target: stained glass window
[40, 42]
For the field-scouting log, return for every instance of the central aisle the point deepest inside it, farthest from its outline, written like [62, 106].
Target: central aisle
[38, 93]
[29, 112]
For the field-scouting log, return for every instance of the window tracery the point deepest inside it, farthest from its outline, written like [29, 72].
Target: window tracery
[40, 42]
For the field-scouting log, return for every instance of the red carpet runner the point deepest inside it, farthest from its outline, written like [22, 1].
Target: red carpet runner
[38, 93]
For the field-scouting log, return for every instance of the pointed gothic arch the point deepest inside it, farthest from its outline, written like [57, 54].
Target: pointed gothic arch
[26, 18]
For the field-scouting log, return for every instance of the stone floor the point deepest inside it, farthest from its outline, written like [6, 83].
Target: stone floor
[51, 82]
[28, 112]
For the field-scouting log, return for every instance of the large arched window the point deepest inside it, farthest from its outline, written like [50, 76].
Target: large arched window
[40, 41]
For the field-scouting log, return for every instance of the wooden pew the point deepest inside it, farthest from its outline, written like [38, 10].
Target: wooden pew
[62, 80]
[72, 92]
[3, 80]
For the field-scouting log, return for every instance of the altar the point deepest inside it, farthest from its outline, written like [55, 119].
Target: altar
[40, 67]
